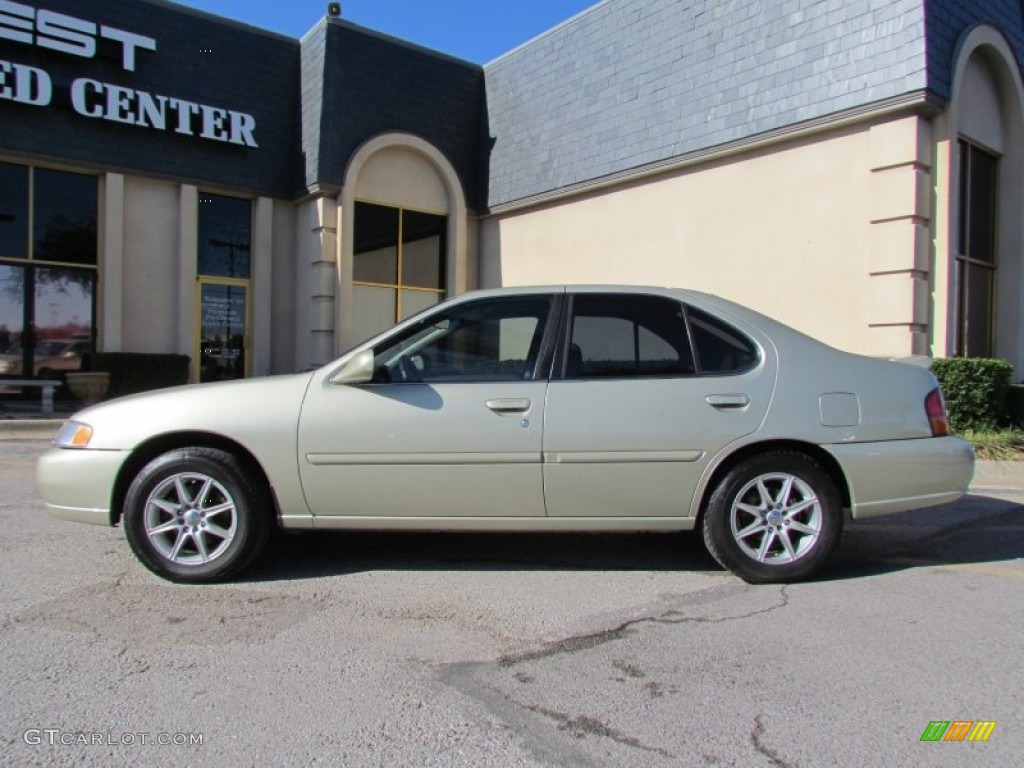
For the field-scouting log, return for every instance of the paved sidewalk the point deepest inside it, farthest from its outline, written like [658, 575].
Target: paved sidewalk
[998, 474]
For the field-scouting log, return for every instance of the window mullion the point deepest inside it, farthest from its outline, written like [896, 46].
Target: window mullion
[30, 234]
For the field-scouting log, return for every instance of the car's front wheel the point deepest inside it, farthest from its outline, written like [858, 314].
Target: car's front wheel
[773, 518]
[194, 515]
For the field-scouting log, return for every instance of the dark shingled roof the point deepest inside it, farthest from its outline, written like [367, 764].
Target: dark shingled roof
[630, 83]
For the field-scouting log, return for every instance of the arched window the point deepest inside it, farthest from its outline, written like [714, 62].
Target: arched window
[986, 196]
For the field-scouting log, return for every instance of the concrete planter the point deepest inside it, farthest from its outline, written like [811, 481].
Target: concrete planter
[88, 386]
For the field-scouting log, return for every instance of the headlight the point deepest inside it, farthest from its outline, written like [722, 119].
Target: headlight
[74, 434]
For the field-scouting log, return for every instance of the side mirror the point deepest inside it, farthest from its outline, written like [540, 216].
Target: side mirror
[358, 370]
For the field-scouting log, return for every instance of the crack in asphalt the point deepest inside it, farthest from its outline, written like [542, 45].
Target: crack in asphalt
[585, 642]
[588, 726]
[548, 747]
[762, 748]
[465, 677]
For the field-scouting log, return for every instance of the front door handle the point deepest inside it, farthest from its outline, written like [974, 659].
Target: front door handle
[727, 401]
[504, 405]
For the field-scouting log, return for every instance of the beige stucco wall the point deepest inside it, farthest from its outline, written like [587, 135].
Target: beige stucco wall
[149, 297]
[822, 232]
[148, 273]
[400, 176]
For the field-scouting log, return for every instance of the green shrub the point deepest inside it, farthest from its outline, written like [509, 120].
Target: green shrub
[132, 372]
[975, 391]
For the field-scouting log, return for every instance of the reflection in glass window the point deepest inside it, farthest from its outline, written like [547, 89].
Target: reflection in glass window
[423, 250]
[12, 318]
[64, 217]
[13, 211]
[376, 245]
[616, 335]
[720, 347]
[223, 319]
[400, 252]
[48, 283]
[487, 340]
[225, 236]
[976, 251]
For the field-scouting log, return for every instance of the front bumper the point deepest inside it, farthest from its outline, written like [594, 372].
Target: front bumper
[78, 484]
[901, 475]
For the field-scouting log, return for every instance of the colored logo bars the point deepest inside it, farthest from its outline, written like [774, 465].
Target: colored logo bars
[958, 730]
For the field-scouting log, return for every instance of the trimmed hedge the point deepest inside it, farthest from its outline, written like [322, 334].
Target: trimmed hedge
[976, 392]
[132, 372]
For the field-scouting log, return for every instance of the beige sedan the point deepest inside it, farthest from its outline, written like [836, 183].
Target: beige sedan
[532, 409]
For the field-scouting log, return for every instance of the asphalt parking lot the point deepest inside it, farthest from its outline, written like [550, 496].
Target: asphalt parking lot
[465, 650]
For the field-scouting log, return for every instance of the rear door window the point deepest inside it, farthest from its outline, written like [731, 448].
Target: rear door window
[627, 335]
[721, 349]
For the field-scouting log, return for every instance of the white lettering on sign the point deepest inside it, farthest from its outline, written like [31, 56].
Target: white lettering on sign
[104, 101]
[25, 84]
[71, 35]
[68, 34]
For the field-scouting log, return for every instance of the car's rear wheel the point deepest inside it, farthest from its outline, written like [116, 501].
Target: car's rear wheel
[194, 515]
[773, 518]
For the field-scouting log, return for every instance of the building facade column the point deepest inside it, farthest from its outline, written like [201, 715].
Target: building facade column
[262, 290]
[188, 247]
[111, 274]
[900, 262]
[318, 248]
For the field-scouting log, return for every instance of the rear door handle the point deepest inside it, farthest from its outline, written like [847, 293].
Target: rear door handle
[503, 405]
[727, 401]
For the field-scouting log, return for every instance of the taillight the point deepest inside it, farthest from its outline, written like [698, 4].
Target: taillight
[935, 407]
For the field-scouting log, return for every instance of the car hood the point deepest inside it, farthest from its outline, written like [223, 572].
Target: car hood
[247, 411]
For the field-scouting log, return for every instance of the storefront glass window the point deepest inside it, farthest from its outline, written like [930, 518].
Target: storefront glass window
[64, 217]
[13, 211]
[376, 250]
[48, 280]
[398, 267]
[224, 268]
[225, 236]
[223, 329]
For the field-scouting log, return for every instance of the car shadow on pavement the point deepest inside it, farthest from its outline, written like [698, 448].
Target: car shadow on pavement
[975, 530]
[336, 553]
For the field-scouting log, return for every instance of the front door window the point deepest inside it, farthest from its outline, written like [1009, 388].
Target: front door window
[491, 340]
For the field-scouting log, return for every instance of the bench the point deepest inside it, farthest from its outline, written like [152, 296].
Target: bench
[46, 385]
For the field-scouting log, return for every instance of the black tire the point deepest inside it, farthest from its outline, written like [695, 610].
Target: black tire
[747, 527]
[195, 516]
